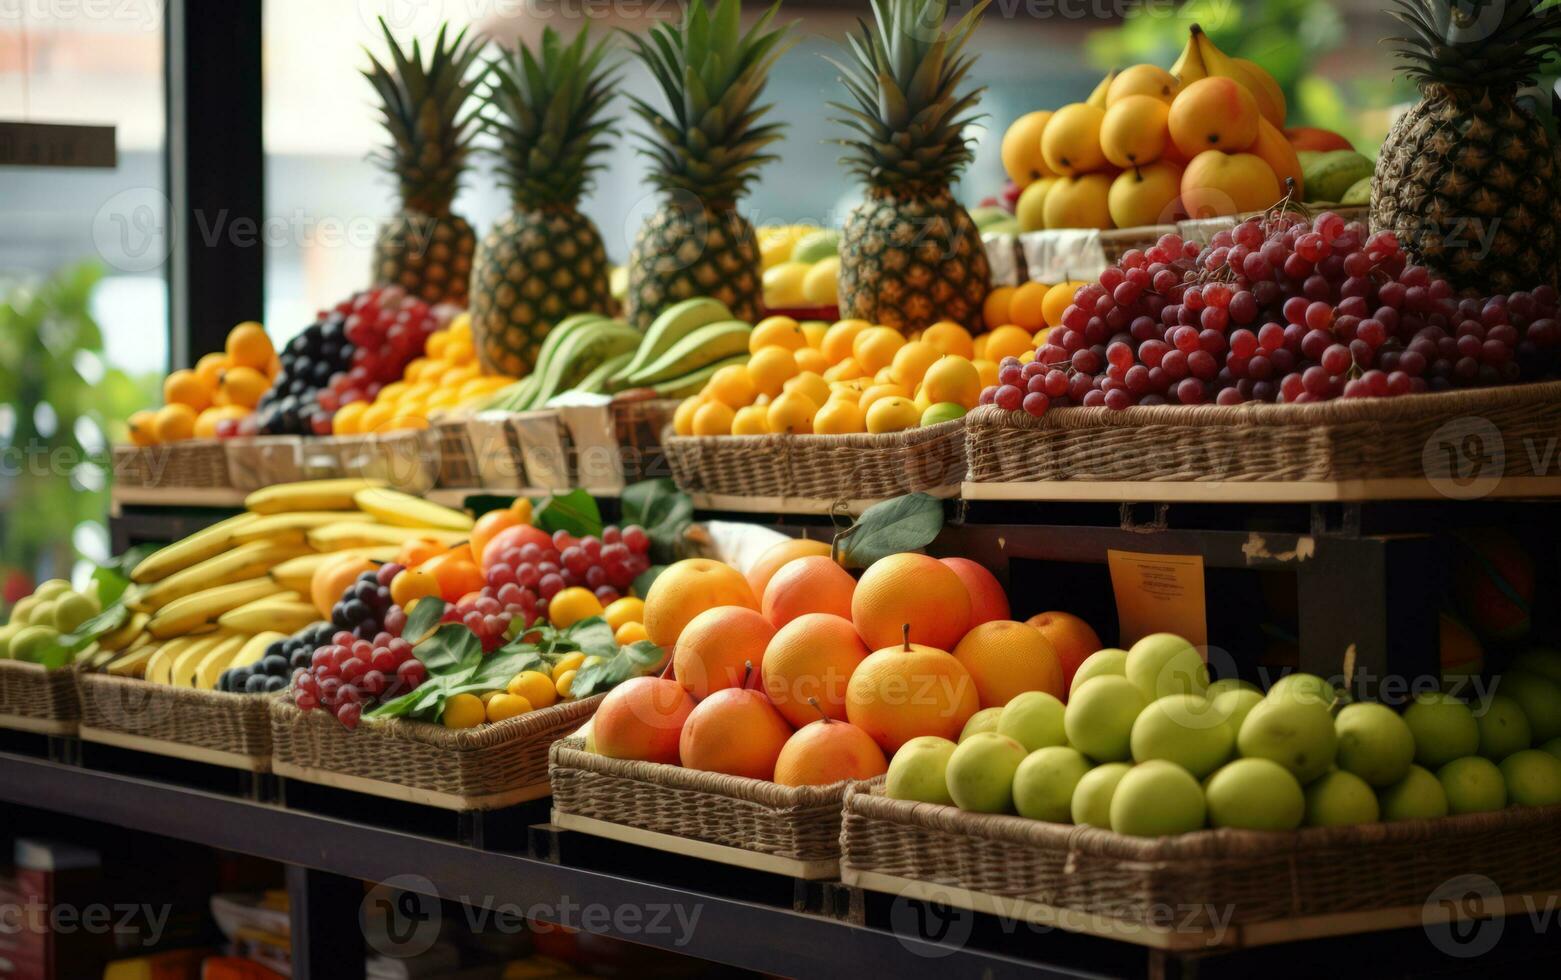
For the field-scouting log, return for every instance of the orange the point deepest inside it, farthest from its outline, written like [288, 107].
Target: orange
[719, 648]
[812, 584]
[332, 578]
[173, 422]
[143, 427]
[1006, 658]
[735, 731]
[456, 573]
[915, 590]
[630, 633]
[839, 338]
[1025, 310]
[348, 420]
[683, 415]
[1058, 299]
[778, 554]
[808, 664]
[623, 611]
[412, 584]
[248, 346]
[642, 718]
[209, 369]
[875, 347]
[996, 310]
[184, 387]
[243, 386]
[489, 525]
[686, 589]
[947, 337]
[533, 685]
[571, 605]
[1072, 638]
[825, 752]
[988, 601]
[1009, 341]
[776, 331]
[731, 386]
[714, 418]
[770, 368]
[414, 552]
[809, 359]
[908, 690]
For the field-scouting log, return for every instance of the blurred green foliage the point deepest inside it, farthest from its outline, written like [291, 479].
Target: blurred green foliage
[60, 403]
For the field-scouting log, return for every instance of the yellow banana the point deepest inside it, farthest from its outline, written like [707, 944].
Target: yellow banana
[198, 547]
[184, 666]
[404, 510]
[204, 673]
[308, 495]
[134, 661]
[357, 534]
[252, 651]
[117, 640]
[248, 560]
[1097, 98]
[159, 669]
[1202, 59]
[298, 573]
[191, 612]
[1189, 66]
[292, 526]
[1270, 97]
[289, 612]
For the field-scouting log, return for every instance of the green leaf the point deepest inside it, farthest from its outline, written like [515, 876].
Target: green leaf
[631, 661]
[663, 510]
[104, 622]
[575, 512]
[425, 615]
[452, 648]
[113, 576]
[907, 523]
[592, 636]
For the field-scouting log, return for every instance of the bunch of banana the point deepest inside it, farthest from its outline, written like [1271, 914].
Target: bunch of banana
[195, 661]
[1201, 59]
[577, 355]
[686, 344]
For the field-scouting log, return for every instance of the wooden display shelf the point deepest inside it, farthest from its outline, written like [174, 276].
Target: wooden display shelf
[411, 794]
[704, 850]
[800, 506]
[176, 750]
[1253, 492]
[39, 726]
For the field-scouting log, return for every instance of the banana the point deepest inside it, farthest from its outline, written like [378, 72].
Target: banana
[1189, 66]
[247, 561]
[675, 322]
[579, 354]
[297, 574]
[251, 652]
[292, 526]
[1097, 98]
[404, 510]
[182, 674]
[189, 613]
[198, 547]
[1265, 89]
[359, 534]
[706, 345]
[133, 662]
[289, 611]
[1202, 59]
[87, 654]
[204, 673]
[159, 669]
[133, 628]
[693, 382]
[308, 495]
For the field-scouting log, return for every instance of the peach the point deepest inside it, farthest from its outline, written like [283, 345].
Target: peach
[1216, 183]
[1072, 638]
[1280, 156]
[826, 751]
[778, 554]
[642, 718]
[686, 589]
[1146, 195]
[988, 601]
[735, 731]
[814, 584]
[1214, 113]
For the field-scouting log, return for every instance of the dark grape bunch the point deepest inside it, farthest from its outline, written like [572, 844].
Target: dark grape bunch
[350, 670]
[309, 361]
[365, 608]
[271, 672]
[525, 579]
[1282, 309]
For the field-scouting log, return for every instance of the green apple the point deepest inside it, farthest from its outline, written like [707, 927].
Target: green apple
[50, 589]
[42, 614]
[1255, 794]
[918, 771]
[1091, 806]
[1504, 728]
[71, 610]
[1233, 704]
[22, 612]
[1296, 733]
[30, 641]
[1033, 719]
[1338, 798]
[1224, 684]
[942, 412]
[1184, 729]
[1099, 718]
[1101, 663]
[1553, 747]
[1539, 661]
[1164, 663]
[1374, 743]
[1304, 687]
[1156, 798]
[1533, 777]
[1473, 784]
[1443, 727]
[1418, 794]
[980, 773]
[1538, 696]
[1045, 781]
[984, 720]
[6, 632]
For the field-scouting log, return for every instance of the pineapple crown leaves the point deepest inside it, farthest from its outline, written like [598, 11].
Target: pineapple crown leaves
[711, 142]
[425, 112]
[908, 119]
[547, 114]
[1487, 44]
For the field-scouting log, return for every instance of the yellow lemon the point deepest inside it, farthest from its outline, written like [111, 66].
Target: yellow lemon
[1057, 300]
[776, 331]
[376, 418]
[751, 420]
[839, 416]
[875, 347]
[892, 414]
[814, 331]
[534, 686]
[348, 420]
[502, 706]
[820, 287]
[978, 347]
[564, 683]
[839, 338]
[682, 416]
[463, 711]
[954, 379]
[713, 419]
[771, 368]
[1008, 341]
[876, 392]
[911, 363]
[792, 412]
[732, 386]
[625, 610]
[783, 285]
[571, 605]
[570, 661]
[626, 634]
[810, 384]
[947, 337]
[809, 359]
[846, 370]
[987, 371]
[995, 310]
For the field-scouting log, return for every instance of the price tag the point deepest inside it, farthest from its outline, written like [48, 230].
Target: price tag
[1158, 594]
[55, 145]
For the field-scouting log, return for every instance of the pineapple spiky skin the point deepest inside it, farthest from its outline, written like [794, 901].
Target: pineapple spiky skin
[910, 260]
[533, 268]
[683, 251]
[430, 257]
[1467, 180]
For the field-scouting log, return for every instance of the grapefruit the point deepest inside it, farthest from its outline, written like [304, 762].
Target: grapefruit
[778, 554]
[734, 731]
[686, 589]
[642, 719]
[988, 601]
[914, 590]
[1006, 659]
[901, 692]
[720, 648]
[812, 584]
[1072, 638]
[827, 751]
[812, 658]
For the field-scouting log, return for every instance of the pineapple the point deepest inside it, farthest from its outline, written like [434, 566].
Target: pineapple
[424, 248]
[910, 255]
[1467, 177]
[705, 152]
[543, 259]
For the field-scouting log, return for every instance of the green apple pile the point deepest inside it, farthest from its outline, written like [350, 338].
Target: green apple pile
[1146, 745]
[38, 620]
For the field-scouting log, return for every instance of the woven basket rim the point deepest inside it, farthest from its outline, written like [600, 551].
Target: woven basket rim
[1333, 412]
[569, 752]
[854, 440]
[1194, 847]
[193, 695]
[28, 667]
[486, 736]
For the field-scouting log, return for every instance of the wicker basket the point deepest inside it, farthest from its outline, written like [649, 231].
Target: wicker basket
[457, 460]
[1214, 880]
[200, 464]
[800, 825]
[407, 460]
[35, 698]
[638, 424]
[214, 727]
[1202, 229]
[848, 467]
[1082, 253]
[481, 768]
[1342, 440]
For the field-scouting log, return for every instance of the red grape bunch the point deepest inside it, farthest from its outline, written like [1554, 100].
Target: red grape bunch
[357, 670]
[1278, 308]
